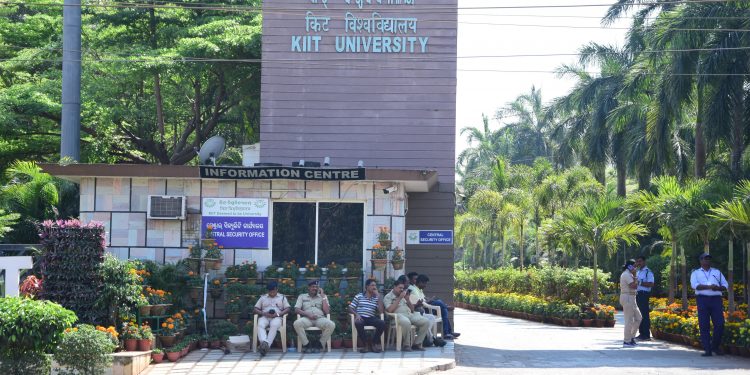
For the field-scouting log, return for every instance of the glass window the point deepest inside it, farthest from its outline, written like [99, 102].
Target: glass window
[340, 227]
[293, 232]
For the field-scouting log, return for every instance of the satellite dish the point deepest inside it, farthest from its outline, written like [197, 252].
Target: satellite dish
[211, 150]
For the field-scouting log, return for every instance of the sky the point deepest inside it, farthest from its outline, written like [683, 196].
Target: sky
[497, 32]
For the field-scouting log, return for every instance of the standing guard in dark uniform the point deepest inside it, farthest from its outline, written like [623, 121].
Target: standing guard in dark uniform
[645, 280]
[709, 283]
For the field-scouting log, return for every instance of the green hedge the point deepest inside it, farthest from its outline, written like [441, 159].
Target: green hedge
[571, 285]
[519, 303]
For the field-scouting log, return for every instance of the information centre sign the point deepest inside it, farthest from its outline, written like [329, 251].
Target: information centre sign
[288, 173]
[236, 223]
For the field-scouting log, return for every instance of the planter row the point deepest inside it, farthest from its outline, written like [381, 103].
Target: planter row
[541, 319]
[689, 341]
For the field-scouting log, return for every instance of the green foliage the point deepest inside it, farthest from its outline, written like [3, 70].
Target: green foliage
[121, 287]
[31, 363]
[222, 329]
[572, 285]
[85, 351]
[31, 326]
[70, 264]
[7, 221]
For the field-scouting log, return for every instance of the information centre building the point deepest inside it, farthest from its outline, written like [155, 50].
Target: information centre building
[367, 85]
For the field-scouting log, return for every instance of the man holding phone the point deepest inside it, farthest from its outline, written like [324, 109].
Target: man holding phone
[632, 316]
[313, 308]
[271, 307]
[397, 301]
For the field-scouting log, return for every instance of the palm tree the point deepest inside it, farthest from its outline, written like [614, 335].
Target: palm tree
[735, 214]
[598, 225]
[469, 231]
[7, 220]
[669, 207]
[33, 195]
[487, 204]
[528, 126]
[474, 164]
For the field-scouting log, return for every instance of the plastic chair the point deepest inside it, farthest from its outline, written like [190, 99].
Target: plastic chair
[367, 328]
[435, 310]
[394, 331]
[299, 342]
[282, 333]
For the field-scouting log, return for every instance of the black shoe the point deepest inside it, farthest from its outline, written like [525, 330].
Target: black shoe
[718, 351]
[307, 348]
[427, 343]
[439, 342]
[706, 354]
[316, 347]
[643, 338]
[626, 344]
[455, 335]
[632, 342]
[263, 349]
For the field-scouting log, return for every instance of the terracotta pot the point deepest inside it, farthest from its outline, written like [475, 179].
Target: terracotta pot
[599, 323]
[184, 351]
[385, 243]
[216, 344]
[397, 264]
[144, 345]
[157, 357]
[346, 343]
[130, 345]
[337, 343]
[173, 356]
[249, 281]
[203, 344]
[144, 310]
[588, 322]
[234, 317]
[214, 264]
[609, 323]
[379, 264]
[167, 340]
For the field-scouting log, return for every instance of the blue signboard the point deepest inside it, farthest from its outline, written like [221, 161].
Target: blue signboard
[429, 237]
[237, 223]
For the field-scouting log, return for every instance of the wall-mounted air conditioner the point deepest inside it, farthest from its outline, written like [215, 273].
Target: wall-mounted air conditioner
[166, 207]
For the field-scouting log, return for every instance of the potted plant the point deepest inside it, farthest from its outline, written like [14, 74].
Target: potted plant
[213, 257]
[398, 259]
[233, 308]
[346, 339]
[233, 273]
[195, 285]
[173, 353]
[289, 270]
[214, 342]
[130, 336]
[384, 237]
[158, 299]
[203, 342]
[144, 343]
[334, 272]
[248, 272]
[216, 289]
[168, 331]
[312, 271]
[271, 273]
[194, 260]
[144, 308]
[157, 355]
[336, 341]
[379, 257]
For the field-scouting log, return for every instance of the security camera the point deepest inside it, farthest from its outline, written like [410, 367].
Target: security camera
[389, 190]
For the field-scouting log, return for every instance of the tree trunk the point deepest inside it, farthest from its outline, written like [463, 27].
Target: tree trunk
[673, 265]
[644, 178]
[730, 276]
[159, 107]
[621, 176]
[700, 142]
[595, 283]
[683, 271]
[738, 135]
[521, 242]
[502, 256]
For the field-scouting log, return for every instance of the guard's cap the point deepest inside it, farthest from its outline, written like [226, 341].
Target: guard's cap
[312, 282]
[704, 256]
[272, 285]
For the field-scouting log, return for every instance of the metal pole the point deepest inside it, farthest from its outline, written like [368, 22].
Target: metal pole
[70, 136]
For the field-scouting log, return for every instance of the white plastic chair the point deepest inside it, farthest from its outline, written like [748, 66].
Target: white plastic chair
[282, 333]
[299, 342]
[367, 328]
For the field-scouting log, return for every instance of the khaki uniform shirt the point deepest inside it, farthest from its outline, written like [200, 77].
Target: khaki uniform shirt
[310, 304]
[625, 279]
[278, 303]
[415, 291]
[402, 308]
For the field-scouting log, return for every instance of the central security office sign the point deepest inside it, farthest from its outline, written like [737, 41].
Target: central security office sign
[288, 173]
[237, 223]
[429, 237]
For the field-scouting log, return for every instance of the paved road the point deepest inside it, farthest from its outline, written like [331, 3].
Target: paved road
[492, 344]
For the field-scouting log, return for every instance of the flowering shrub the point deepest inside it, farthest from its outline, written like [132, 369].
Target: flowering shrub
[384, 234]
[518, 303]
[398, 255]
[111, 333]
[130, 331]
[312, 270]
[85, 350]
[290, 269]
[335, 270]
[379, 252]
[157, 296]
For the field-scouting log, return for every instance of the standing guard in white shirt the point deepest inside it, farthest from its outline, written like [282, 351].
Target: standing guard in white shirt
[709, 283]
[645, 280]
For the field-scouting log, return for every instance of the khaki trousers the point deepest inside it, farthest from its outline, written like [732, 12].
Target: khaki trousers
[632, 315]
[273, 326]
[406, 321]
[325, 325]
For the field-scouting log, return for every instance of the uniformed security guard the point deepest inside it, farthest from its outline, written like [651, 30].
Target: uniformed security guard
[313, 308]
[645, 280]
[271, 307]
[709, 283]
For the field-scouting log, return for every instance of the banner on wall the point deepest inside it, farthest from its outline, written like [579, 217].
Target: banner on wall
[429, 237]
[238, 223]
